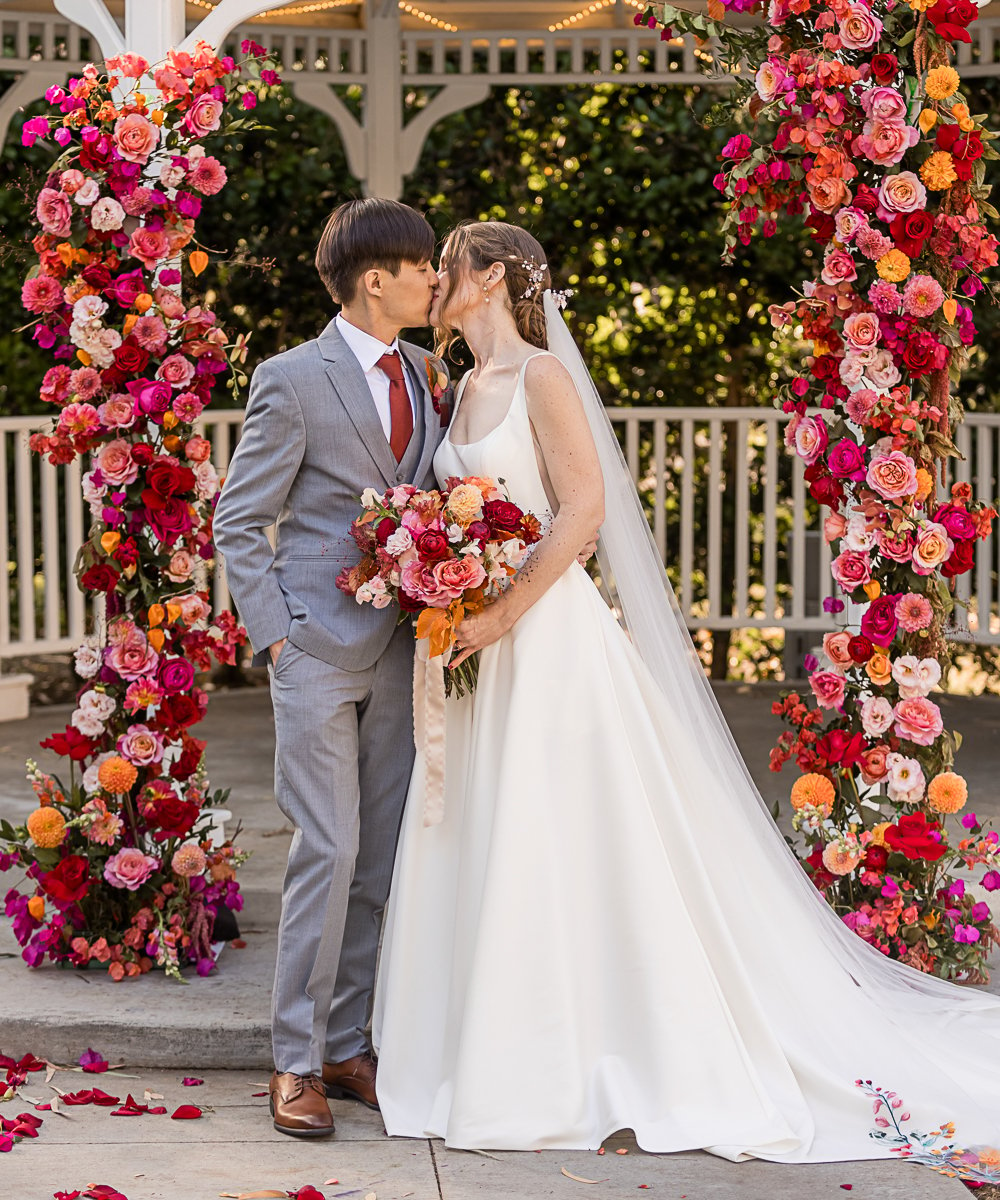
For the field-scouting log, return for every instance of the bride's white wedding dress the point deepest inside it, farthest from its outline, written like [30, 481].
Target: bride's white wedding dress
[593, 938]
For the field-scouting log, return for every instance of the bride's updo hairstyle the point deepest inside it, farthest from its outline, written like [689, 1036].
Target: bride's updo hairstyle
[475, 247]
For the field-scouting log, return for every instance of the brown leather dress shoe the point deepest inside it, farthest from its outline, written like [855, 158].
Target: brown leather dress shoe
[352, 1080]
[299, 1106]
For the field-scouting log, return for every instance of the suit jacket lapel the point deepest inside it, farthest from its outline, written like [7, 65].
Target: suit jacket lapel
[417, 360]
[349, 383]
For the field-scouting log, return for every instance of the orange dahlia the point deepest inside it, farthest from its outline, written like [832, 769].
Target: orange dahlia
[947, 792]
[938, 172]
[815, 791]
[941, 83]
[925, 483]
[117, 775]
[47, 827]
[188, 860]
[894, 265]
[841, 857]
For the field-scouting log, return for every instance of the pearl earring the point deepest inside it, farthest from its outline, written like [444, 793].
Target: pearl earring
[486, 293]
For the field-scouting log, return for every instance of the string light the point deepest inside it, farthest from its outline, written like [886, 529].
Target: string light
[286, 10]
[596, 7]
[412, 11]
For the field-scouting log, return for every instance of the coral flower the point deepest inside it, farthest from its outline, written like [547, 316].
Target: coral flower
[842, 856]
[938, 172]
[894, 266]
[942, 82]
[947, 792]
[117, 776]
[923, 296]
[913, 612]
[815, 791]
[47, 827]
[188, 860]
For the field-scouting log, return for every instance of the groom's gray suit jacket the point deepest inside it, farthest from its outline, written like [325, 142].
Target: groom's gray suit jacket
[311, 418]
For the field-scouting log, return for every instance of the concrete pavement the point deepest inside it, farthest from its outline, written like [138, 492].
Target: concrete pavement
[162, 1031]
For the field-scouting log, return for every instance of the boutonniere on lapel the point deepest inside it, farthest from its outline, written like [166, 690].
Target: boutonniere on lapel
[439, 384]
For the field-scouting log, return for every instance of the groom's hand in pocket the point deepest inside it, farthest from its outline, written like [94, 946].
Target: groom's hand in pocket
[275, 649]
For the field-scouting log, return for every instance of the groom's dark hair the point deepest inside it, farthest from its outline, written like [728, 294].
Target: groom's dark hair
[363, 234]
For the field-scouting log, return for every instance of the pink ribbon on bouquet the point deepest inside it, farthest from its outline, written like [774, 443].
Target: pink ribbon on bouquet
[429, 726]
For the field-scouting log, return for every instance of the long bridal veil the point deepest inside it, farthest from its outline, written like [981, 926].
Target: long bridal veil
[750, 864]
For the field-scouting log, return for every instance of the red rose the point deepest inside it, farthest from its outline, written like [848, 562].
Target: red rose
[823, 487]
[143, 453]
[502, 517]
[191, 755]
[96, 154]
[166, 477]
[884, 67]
[384, 530]
[169, 518]
[910, 231]
[827, 366]
[97, 275]
[99, 578]
[169, 816]
[911, 835]
[923, 354]
[68, 882]
[127, 553]
[409, 603]
[838, 746]
[72, 743]
[860, 649]
[957, 520]
[821, 224]
[178, 712]
[963, 558]
[478, 531]
[876, 858]
[432, 546]
[130, 358]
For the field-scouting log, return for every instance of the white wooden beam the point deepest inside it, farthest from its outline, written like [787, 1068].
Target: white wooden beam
[95, 18]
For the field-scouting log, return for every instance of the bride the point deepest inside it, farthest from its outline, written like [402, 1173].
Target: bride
[606, 930]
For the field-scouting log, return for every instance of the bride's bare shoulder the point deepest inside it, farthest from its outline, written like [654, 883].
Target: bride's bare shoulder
[546, 379]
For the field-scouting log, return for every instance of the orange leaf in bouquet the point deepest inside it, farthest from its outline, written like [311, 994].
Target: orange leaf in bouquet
[436, 625]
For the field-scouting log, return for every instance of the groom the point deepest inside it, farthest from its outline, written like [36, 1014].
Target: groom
[326, 420]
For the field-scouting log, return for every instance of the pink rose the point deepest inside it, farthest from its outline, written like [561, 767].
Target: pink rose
[933, 547]
[198, 449]
[71, 181]
[862, 330]
[846, 460]
[848, 221]
[176, 675]
[420, 581]
[839, 268]
[902, 193]
[883, 104]
[918, 720]
[133, 658]
[54, 212]
[893, 476]
[150, 246]
[957, 521]
[859, 29]
[873, 764]
[130, 868]
[118, 412]
[851, 569]
[116, 464]
[176, 370]
[135, 137]
[460, 573]
[808, 437]
[194, 608]
[107, 215]
[769, 80]
[828, 687]
[834, 527]
[203, 117]
[876, 715]
[141, 745]
[898, 547]
[885, 142]
[835, 649]
[180, 566]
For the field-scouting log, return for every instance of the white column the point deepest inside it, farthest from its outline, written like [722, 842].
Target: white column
[383, 106]
[151, 29]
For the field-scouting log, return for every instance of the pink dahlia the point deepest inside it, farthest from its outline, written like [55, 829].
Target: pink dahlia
[43, 294]
[872, 244]
[913, 612]
[207, 176]
[922, 296]
[885, 297]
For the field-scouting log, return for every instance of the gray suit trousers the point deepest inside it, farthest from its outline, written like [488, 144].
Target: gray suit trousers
[343, 762]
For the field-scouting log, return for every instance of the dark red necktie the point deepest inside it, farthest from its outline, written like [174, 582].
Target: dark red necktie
[400, 409]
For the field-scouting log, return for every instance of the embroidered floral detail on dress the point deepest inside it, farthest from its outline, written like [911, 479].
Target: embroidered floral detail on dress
[936, 1149]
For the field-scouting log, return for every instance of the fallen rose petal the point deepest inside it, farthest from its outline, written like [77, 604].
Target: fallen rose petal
[104, 1191]
[186, 1112]
[621, 1151]
[258, 1094]
[67, 1195]
[93, 1062]
[238, 944]
[847, 1187]
[190, 1081]
[6, 1143]
[579, 1178]
[307, 1192]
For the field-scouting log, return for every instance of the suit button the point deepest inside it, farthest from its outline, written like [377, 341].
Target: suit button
[400, 476]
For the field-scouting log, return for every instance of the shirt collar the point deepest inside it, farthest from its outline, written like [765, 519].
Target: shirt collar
[366, 349]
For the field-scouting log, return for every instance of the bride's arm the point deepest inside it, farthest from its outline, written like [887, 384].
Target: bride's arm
[574, 472]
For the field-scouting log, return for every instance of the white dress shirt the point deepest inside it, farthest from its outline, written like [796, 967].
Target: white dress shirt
[368, 350]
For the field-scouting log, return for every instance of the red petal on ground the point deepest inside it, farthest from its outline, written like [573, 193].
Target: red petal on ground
[186, 1112]
[190, 1081]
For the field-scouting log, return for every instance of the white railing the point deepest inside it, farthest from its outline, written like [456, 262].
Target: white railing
[728, 507]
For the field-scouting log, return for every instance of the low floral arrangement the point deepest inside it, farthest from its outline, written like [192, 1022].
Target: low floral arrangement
[120, 864]
[439, 555]
[872, 144]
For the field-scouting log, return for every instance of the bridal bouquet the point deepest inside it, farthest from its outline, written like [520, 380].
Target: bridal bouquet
[439, 555]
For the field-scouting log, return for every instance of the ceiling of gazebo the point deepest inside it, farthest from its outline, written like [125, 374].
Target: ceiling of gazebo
[462, 14]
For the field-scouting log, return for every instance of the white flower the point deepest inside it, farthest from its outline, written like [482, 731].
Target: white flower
[915, 676]
[172, 174]
[882, 371]
[91, 491]
[399, 542]
[906, 782]
[454, 533]
[88, 193]
[194, 153]
[97, 704]
[87, 660]
[107, 215]
[369, 498]
[88, 724]
[859, 536]
[512, 552]
[876, 715]
[364, 594]
[89, 308]
[206, 480]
